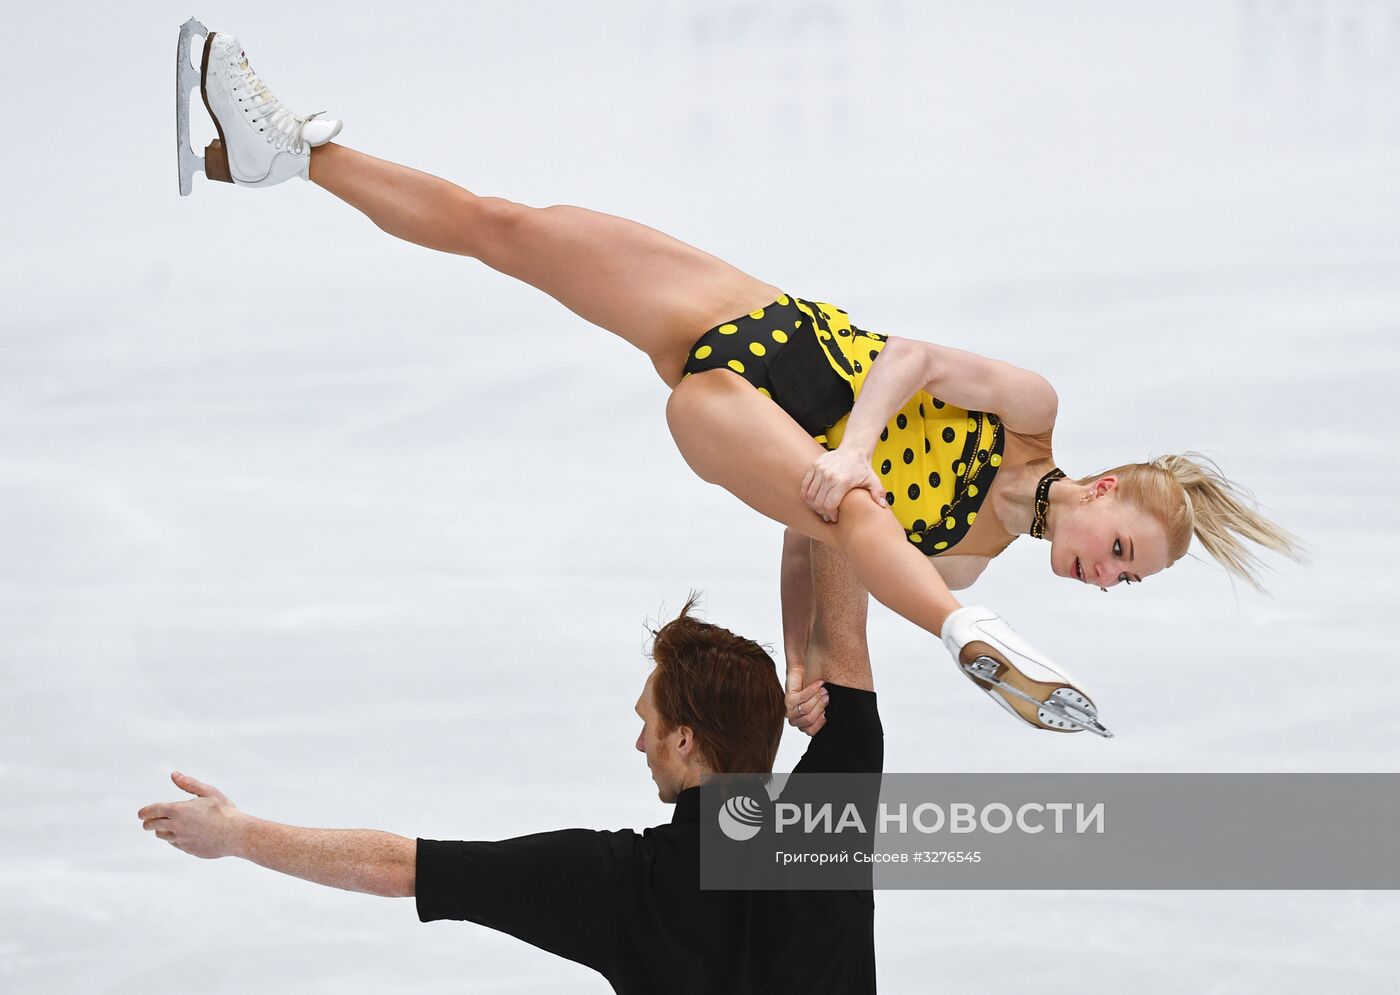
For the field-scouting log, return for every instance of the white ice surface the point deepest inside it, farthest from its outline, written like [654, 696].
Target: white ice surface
[366, 536]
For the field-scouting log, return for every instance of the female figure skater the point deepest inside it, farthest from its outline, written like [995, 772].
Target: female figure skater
[919, 462]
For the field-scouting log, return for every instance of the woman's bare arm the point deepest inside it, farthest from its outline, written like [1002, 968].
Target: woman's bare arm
[1024, 401]
[795, 589]
[805, 699]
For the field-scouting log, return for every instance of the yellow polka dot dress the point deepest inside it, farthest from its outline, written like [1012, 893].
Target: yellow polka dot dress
[936, 460]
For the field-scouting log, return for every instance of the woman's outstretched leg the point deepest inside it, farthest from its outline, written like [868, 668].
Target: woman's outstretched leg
[649, 288]
[733, 436]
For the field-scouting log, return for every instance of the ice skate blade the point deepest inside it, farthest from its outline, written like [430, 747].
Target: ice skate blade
[1052, 707]
[186, 79]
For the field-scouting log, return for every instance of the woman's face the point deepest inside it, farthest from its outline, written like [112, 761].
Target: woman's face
[1105, 541]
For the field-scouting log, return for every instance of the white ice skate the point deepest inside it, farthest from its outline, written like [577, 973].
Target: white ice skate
[1018, 677]
[261, 142]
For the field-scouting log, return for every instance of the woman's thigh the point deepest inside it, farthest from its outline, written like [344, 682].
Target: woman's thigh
[643, 285]
[733, 436]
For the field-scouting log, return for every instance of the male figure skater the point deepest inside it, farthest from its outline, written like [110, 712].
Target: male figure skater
[626, 904]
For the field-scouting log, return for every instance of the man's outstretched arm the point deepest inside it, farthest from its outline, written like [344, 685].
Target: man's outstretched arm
[209, 825]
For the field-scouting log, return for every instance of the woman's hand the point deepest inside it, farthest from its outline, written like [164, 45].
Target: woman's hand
[835, 474]
[805, 703]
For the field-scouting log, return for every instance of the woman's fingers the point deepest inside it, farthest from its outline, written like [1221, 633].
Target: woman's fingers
[876, 487]
[831, 477]
[807, 706]
[809, 723]
[801, 697]
[816, 495]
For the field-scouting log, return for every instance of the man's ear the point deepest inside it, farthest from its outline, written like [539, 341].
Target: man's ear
[685, 742]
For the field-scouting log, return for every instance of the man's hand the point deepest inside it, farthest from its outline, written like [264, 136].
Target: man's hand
[806, 705]
[207, 825]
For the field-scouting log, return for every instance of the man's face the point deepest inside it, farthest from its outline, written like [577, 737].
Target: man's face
[663, 749]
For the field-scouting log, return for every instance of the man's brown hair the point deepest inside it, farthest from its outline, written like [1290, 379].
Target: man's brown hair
[724, 687]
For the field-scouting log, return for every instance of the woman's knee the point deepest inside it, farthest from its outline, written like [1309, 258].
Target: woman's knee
[860, 522]
[492, 225]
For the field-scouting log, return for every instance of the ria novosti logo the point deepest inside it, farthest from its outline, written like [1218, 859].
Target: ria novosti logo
[740, 818]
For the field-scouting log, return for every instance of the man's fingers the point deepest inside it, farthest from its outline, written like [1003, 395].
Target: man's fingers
[160, 823]
[157, 811]
[186, 783]
[166, 834]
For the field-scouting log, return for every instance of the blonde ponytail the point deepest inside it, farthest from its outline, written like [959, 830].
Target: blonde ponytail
[1190, 495]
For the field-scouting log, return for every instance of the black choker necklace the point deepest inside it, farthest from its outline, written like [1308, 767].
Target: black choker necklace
[1042, 502]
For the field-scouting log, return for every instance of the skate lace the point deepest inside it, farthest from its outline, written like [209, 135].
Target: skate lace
[280, 127]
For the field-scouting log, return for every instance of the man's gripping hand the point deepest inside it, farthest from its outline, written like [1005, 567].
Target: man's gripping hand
[207, 825]
[806, 703]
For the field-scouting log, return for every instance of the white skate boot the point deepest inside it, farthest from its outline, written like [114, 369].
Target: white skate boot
[1019, 678]
[261, 142]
